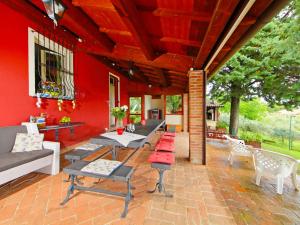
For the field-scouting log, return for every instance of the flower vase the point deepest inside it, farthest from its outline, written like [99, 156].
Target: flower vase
[120, 127]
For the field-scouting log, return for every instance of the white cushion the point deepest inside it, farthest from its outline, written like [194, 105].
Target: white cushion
[28, 142]
[102, 167]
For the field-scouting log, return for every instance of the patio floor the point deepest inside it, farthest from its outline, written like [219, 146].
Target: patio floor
[213, 194]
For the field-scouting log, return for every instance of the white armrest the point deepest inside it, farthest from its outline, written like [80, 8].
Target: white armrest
[51, 145]
[55, 147]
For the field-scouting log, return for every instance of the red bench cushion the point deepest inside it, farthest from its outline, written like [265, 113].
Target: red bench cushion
[162, 157]
[165, 146]
[172, 134]
[167, 138]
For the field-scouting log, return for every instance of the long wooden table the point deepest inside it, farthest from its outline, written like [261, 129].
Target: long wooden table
[122, 174]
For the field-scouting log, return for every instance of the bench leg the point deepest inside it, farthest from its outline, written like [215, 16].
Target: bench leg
[160, 184]
[147, 143]
[70, 190]
[127, 199]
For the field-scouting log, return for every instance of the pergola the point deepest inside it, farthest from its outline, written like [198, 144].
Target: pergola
[171, 44]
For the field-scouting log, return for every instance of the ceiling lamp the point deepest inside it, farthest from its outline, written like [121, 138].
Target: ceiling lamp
[55, 9]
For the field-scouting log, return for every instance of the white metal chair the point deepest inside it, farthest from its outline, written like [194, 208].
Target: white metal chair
[275, 164]
[238, 148]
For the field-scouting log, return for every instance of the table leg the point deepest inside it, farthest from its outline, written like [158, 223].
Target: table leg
[114, 153]
[127, 199]
[56, 132]
[70, 190]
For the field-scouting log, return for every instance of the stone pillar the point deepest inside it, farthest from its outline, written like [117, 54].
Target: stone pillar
[185, 112]
[197, 123]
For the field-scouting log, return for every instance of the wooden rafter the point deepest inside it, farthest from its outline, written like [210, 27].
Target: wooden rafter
[181, 41]
[177, 73]
[217, 22]
[37, 16]
[165, 12]
[115, 31]
[166, 61]
[128, 12]
[80, 23]
[164, 78]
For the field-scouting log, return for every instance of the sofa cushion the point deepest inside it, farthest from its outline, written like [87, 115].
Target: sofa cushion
[28, 142]
[12, 159]
[8, 136]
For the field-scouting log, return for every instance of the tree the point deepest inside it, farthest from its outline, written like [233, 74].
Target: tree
[252, 110]
[268, 66]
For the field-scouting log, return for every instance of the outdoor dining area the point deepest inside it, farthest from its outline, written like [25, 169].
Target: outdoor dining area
[104, 118]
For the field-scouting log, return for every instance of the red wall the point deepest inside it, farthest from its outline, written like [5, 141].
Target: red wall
[91, 82]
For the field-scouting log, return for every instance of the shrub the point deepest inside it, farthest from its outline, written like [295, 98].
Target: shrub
[250, 136]
[221, 124]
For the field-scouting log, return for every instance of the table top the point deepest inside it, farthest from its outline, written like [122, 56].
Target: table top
[146, 130]
[61, 126]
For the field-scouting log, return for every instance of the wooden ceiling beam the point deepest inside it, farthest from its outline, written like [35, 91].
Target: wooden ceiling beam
[164, 78]
[248, 21]
[217, 23]
[177, 73]
[181, 41]
[166, 61]
[128, 12]
[197, 16]
[94, 3]
[81, 24]
[37, 16]
[115, 31]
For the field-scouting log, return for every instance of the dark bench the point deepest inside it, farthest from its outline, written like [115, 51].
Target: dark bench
[122, 174]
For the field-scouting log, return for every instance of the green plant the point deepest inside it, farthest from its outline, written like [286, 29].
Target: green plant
[173, 103]
[65, 119]
[250, 136]
[221, 124]
[119, 112]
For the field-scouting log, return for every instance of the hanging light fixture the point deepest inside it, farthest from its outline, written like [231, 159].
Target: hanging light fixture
[55, 9]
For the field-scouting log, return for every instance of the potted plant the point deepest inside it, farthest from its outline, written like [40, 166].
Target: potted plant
[119, 113]
[251, 138]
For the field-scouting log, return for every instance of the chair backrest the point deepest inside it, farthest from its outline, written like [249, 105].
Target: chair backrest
[8, 137]
[273, 161]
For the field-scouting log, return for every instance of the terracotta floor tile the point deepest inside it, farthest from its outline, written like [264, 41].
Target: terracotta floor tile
[8, 211]
[205, 195]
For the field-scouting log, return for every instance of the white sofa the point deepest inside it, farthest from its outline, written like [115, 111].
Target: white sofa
[14, 165]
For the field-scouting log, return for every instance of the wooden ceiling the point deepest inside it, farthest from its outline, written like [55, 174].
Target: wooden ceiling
[159, 40]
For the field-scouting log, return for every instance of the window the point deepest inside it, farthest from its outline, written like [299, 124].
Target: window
[174, 104]
[50, 68]
[135, 106]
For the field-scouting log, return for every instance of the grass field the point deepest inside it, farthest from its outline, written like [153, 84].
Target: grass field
[284, 148]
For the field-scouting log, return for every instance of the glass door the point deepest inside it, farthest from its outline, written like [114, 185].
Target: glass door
[114, 97]
[136, 109]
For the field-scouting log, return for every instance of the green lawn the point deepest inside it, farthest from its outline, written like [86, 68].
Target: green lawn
[283, 148]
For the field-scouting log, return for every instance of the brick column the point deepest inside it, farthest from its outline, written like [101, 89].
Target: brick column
[197, 127]
[185, 112]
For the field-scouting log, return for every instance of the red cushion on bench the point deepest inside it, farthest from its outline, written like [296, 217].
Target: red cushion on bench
[165, 146]
[167, 138]
[170, 134]
[162, 157]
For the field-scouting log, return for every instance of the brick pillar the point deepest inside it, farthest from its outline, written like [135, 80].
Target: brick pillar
[185, 112]
[197, 87]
